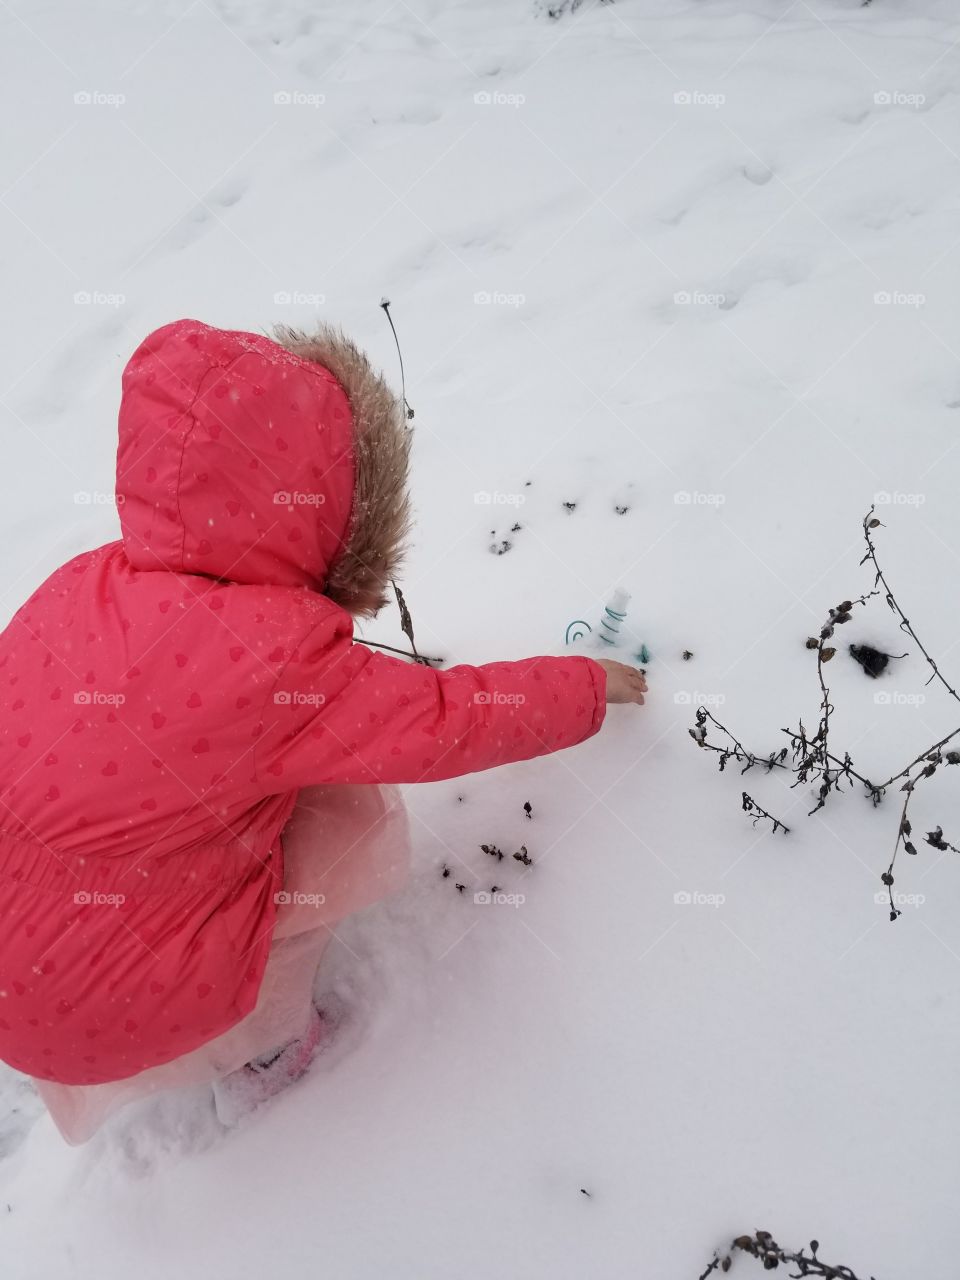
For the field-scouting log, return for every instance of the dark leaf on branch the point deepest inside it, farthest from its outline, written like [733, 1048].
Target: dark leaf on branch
[887, 878]
[827, 654]
[909, 847]
[813, 642]
[873, 524]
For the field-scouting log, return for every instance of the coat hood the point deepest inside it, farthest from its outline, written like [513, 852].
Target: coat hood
[258, 461]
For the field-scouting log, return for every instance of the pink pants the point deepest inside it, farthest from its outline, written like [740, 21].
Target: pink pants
[344, 847]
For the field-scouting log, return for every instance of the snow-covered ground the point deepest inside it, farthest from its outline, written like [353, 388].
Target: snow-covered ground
[638, 259]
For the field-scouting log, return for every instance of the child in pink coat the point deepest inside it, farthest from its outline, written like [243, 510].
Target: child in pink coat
[196, 759]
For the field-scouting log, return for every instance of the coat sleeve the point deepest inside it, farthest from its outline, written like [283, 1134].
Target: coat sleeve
[340, 712]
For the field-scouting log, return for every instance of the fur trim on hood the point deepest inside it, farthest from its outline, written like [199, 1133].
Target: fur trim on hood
[254, 460]
[380, 519]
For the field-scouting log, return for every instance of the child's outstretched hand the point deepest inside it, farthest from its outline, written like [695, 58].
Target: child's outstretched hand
[624, 684]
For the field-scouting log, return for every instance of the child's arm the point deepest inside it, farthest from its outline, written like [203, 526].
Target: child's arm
[341, 713]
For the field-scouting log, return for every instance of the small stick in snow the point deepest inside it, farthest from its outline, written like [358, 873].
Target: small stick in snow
[406, 624]
[385, 303]
[870, 522]
[750, 806]
[417, 657]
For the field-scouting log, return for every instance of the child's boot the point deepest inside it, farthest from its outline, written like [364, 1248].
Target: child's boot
[263, 1078]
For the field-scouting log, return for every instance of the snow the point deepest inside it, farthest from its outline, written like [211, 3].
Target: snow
[682, 302]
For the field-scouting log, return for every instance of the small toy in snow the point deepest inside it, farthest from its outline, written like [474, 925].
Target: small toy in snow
[610, 633]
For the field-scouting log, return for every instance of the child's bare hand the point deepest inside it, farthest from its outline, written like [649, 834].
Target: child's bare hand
[624, 684]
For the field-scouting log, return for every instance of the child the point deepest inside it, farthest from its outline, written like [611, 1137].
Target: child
[193, 750]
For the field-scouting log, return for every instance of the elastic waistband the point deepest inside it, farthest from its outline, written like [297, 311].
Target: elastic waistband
[181, 871]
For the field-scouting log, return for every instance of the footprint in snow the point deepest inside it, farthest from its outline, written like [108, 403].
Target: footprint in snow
[228, 193]
[186, 231]
[758, 174]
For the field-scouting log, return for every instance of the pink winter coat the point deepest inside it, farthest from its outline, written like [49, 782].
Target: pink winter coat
[164, 697]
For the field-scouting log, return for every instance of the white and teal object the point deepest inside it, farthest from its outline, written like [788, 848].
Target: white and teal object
[611, 631]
